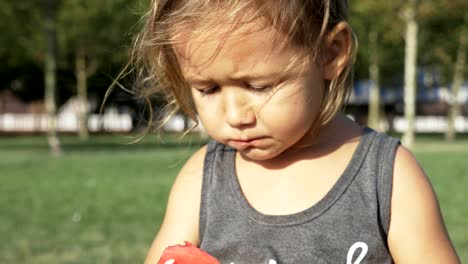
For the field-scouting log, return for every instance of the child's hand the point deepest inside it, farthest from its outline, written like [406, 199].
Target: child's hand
[186, 254]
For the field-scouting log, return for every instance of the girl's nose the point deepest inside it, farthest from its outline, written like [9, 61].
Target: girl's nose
[238, 110]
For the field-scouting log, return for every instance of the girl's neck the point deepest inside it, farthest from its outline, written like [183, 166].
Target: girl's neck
[338, 131]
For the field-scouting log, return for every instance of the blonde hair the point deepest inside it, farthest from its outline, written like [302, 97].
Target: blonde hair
[303, 22]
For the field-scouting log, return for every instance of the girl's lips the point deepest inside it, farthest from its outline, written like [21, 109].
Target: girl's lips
[242, 144]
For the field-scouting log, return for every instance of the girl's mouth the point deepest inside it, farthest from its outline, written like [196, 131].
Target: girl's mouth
[243, 144]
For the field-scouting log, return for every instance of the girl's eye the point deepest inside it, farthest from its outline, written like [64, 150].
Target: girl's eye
[208, 91]
[260, 88]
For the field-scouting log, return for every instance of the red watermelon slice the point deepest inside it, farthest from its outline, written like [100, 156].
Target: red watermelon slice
[186, 254]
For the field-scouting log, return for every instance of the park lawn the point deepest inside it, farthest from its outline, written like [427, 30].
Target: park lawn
[103, 200]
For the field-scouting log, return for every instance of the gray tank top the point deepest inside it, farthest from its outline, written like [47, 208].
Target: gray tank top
[349, 225]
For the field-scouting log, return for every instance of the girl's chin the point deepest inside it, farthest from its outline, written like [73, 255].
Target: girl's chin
[255, 154]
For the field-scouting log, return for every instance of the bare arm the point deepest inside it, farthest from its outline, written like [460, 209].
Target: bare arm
[417, 232]
[182, 213]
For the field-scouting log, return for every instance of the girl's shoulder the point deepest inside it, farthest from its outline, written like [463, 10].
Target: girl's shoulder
[194, 165]
[180, 222]
[416, 224]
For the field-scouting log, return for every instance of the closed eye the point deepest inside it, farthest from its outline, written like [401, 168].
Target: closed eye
[207, 91]
[253, 87]
[260, 88]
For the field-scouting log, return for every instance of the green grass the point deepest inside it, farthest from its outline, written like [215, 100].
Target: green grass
[447, 167]
[103, 200]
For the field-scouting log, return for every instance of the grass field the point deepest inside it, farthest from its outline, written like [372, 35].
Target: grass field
[103, 200]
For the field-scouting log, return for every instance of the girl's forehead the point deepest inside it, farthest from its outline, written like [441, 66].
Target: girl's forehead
[247, 45]
[189, 40]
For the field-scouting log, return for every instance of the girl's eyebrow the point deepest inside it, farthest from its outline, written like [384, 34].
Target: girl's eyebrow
[256, 76]
[197, 80]
[243, 77]
[272, 75]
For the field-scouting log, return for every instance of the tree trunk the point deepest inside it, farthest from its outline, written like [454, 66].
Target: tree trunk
[81, 84]
[411, 49]
[50, 78]
[374, 96]
[457, 82]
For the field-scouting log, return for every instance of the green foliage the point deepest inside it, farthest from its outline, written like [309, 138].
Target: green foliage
[381, 18]
[441, 22]
[21, 41]
[103, 29]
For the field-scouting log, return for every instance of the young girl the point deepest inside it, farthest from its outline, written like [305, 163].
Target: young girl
[288, 178]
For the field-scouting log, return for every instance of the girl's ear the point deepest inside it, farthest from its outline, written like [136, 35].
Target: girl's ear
[337, 50]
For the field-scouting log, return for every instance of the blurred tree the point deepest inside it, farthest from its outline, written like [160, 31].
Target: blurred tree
[50, 62]
[29, 35]
[379, 34]
[91, 31]
[22, 47]
[409, 12]
[22, 42]
[445, 37]
[458, 80]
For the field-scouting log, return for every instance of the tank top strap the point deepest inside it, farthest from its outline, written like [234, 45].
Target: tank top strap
[384, 150]
[210, 156]
[218, 157]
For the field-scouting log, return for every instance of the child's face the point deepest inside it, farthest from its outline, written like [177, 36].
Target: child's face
[238, 96]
